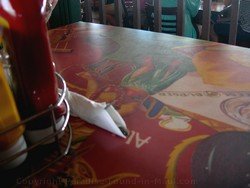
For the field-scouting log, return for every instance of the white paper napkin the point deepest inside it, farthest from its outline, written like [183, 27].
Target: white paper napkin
[100, 114]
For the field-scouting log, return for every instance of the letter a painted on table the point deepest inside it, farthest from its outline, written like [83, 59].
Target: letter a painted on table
[138, 141]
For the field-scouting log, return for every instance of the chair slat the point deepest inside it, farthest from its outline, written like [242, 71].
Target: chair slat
[157, 15]
[118, 12]
[102, 15]
[180, 17]
[234, 21]
[137, 14]
[206, 19]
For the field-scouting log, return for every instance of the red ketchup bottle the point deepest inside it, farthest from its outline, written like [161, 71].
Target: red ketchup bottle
[26, 41]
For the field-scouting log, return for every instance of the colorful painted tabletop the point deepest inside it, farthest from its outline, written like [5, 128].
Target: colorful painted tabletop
[186, 103]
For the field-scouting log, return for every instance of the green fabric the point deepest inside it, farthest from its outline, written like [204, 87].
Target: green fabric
[65, 12]
[110, 1]
[191, 9]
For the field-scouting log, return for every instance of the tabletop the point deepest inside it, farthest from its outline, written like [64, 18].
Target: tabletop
[186, 103]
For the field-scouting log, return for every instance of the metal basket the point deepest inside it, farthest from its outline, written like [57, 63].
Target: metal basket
[65, 126]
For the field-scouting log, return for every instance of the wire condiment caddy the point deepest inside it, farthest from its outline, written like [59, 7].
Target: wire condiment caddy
[64, 131]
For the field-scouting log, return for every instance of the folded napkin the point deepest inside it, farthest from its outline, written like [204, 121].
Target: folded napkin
[102, 115]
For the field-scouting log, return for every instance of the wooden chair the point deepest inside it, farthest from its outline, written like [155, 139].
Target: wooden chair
[102, 13]
[156, 22]
[206, 20]
[120, 13]
[154, 14]
[120, 19]
[128, 15]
